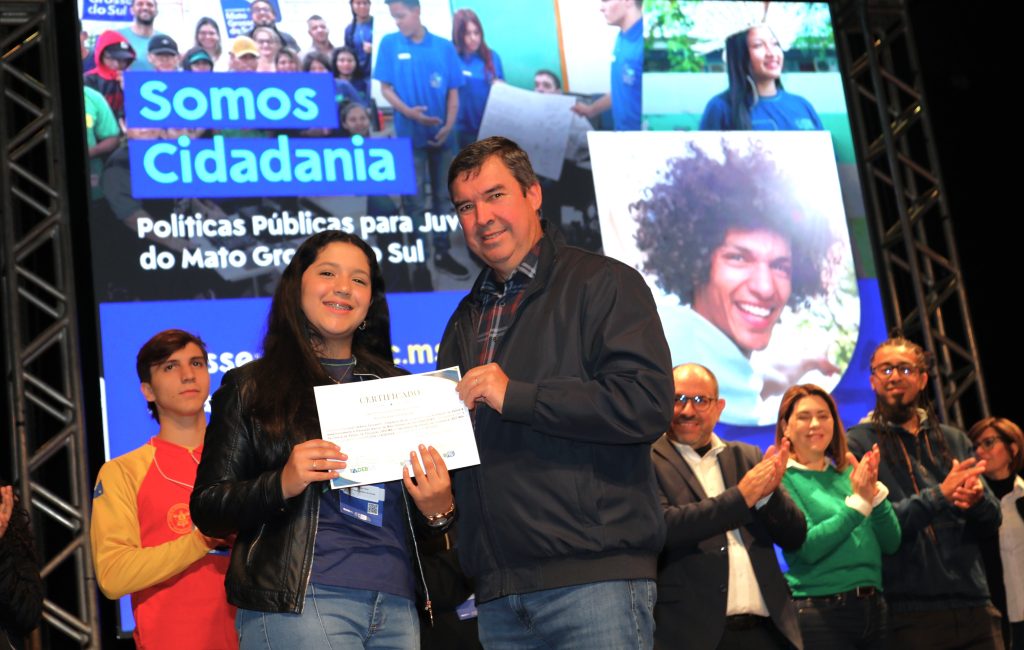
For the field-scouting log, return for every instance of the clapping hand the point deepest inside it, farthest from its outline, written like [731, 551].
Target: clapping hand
[864, 476]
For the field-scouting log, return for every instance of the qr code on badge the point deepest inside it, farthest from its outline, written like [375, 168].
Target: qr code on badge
[373, 508]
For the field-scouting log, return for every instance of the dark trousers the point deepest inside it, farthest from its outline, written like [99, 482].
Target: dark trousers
[752, 633]
[967, 628]
[843, 622]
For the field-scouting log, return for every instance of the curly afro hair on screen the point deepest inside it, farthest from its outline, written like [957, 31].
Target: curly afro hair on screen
[685, 216]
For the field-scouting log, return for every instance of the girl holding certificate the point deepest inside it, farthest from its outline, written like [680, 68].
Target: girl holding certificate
[315, 567]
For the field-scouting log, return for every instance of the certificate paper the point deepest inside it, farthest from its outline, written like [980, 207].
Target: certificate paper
[377, 423]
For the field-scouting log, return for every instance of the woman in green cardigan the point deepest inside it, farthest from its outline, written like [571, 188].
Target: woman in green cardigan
[836, 576]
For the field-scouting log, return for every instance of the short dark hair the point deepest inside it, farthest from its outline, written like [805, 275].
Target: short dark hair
[159, 349]
[548, 73]
[412, 4]
[473, 157]
[1008, 432]
[315, 17]
[307, 61]
[686, 215]
[264, 2]
[284, 51]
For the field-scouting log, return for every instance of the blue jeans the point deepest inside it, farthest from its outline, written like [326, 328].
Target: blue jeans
[431, 165]
[334, 617]
[617, 615]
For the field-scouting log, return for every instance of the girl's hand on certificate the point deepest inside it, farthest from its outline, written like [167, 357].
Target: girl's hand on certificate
[313, 460]
[429, 485]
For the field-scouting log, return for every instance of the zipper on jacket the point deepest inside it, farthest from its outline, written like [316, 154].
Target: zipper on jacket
[309, 554]
[252, 547]
[419, 561]
[466, 348]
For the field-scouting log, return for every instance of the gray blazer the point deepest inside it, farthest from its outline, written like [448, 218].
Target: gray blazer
[693, 570]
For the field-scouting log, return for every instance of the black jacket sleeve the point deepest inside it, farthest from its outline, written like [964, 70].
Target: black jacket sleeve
[21, 588]
[784, 520]
[624, 393]
[233, 491]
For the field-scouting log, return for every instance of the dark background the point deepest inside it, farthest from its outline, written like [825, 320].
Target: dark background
[962, 51]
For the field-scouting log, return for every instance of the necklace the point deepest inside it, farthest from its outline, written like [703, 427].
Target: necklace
[349, 366]
[190, 486]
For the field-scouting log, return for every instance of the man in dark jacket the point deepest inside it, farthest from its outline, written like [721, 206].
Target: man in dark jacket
[719, 582]
[934, 584]
[567, 371]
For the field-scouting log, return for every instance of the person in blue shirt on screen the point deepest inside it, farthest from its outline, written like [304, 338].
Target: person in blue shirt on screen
[359, 37]
[755, 100]
[139, 33]
[347, 87]
[481, 67]
[625, 97]
[420, 75]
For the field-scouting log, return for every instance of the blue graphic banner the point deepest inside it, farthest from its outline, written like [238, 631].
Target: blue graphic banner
[241, 100]
[259, 167]
[112, 10]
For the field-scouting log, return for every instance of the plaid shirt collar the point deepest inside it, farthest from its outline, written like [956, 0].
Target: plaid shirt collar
[500, 301]
[492, 288]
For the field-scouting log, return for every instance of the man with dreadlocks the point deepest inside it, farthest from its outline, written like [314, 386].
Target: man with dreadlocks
[934, 583]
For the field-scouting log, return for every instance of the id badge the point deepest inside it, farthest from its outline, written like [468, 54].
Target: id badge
[365, 503]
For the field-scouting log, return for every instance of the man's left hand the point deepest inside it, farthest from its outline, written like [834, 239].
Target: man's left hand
[485, 384]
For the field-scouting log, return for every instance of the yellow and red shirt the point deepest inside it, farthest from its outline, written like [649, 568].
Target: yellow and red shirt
[144, 543]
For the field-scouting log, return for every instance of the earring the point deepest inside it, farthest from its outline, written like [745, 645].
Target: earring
[362, 325]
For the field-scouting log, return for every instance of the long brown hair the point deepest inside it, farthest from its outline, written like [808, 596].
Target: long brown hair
[460, 20]
[280, 393]
[837, 448]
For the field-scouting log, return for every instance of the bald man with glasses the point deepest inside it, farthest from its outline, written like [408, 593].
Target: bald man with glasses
[719, 582]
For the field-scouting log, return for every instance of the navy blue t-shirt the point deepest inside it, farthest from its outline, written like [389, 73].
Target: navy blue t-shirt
[361, 538]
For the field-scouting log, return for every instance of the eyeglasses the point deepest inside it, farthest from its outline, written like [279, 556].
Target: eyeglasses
[700, 402]
[987, 443]
[903, 370]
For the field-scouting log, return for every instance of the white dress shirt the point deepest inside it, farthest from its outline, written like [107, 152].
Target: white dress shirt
[744, 596]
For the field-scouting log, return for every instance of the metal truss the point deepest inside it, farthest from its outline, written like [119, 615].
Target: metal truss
[39, 320]
[920, 273]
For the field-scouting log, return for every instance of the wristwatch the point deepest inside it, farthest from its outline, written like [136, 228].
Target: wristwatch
[439, 519]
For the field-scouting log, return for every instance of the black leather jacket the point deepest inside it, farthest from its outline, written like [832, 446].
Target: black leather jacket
[238, 489]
